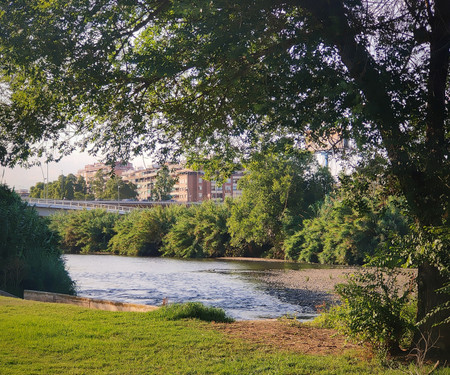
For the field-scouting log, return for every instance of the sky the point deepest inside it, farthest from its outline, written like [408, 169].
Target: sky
[21, 178]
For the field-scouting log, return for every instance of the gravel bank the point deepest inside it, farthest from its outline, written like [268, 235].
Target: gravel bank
[313, 287]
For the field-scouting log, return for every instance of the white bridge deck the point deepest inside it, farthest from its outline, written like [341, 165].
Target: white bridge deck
[47, 207]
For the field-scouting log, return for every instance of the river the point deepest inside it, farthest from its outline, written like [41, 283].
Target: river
[227, 284]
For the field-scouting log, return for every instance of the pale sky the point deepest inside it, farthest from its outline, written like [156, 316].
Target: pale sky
[21, 178]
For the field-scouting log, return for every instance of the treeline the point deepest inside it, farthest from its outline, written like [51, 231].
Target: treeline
[70, 187]
[65, 187]
[289, 209]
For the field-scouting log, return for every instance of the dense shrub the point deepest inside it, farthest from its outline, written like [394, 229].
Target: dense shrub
[201, 231]
[29, 254]
[341, 234]
[85, 231]
[191, 310]
[142, 231]
[375, 309]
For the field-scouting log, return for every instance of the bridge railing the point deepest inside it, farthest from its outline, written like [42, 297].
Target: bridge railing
[77, 205]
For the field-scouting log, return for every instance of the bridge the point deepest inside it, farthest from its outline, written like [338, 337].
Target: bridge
[47, 207]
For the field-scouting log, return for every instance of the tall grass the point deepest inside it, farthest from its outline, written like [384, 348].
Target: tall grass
[29, 254]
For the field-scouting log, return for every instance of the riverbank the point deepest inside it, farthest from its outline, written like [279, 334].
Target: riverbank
[42, 338]
[314, 287]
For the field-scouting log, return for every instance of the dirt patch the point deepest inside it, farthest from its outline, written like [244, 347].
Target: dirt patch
[292, 336]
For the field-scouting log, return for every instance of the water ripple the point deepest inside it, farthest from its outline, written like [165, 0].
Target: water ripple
[225, 284]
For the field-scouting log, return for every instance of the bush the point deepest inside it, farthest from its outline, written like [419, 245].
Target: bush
[191, 310]
[85, 231]
[29, 254]
[374, 309]
[342, 234]
[201, 231]
[142, 232]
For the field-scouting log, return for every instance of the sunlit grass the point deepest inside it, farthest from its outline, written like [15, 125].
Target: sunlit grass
[40, 338]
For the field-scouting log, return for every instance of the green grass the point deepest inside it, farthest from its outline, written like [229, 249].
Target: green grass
[194, 310]
[40, 338]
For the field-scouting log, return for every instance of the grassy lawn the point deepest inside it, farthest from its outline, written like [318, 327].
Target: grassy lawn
[40, 338]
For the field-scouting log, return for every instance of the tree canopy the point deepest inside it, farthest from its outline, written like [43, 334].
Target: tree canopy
[107, 187]
[163, 184]
[210, 76]
[66, 187]
[278, 192]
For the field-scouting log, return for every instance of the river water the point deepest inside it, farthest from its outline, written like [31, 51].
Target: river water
[228, 284]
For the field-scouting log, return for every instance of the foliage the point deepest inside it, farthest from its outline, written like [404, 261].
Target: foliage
[278, 190]
[431, 244]
[130, 77]
[66, 187]
[141, 232]
[116, 189]
[376, 309]
[29, 255]
[192, 310]
[201, 231]
[97, 185]
[107, 187]
[357, 222]
[163, 185]
[84, 231]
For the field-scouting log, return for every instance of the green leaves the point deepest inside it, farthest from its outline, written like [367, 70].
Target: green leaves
[377, 308]
[199, 232]
[277, 193]
[353, 229]
[85, 231]
[163, 185]
[198, 70]
[142, 231]
[29, 254]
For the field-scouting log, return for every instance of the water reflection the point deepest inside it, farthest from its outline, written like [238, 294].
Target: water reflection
[230, 285]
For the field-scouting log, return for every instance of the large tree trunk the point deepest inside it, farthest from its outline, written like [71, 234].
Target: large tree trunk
[433, 339]
[431, 205]
[423, 181]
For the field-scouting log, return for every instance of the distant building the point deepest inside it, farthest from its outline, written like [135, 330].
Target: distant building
[329, 150]
[24, 193]
[89, 171]
[190, 185]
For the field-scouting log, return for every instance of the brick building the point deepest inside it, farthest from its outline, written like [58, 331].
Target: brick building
[190, 185]
[89, 171]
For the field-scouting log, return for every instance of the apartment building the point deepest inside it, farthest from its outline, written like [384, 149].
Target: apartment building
[89, 171]
[190, 185]
[144, 179]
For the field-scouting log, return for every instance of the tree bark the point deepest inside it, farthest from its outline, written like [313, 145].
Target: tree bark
[429, 279]
[423, 182]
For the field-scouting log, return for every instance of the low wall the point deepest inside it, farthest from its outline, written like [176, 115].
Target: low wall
[90, 303]
[6, 294]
